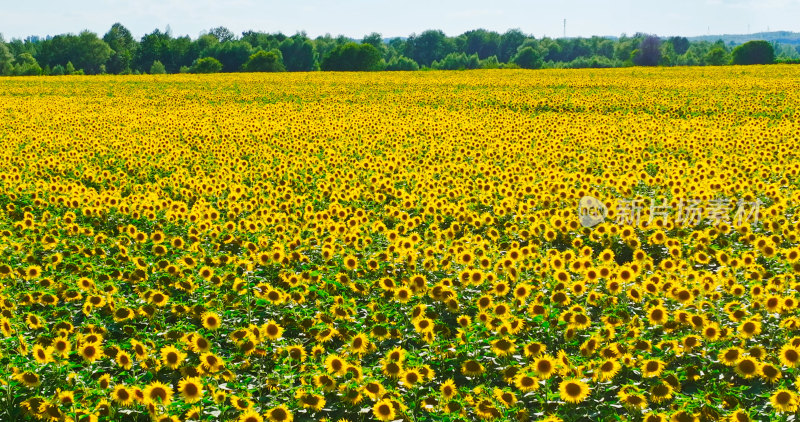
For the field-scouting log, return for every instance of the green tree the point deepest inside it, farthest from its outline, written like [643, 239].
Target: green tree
[123, 47]
[374, 39]
[679, 44]
[265, 61]
[86, 50]
[648, 53]
[404, 63]
[753, 52]
[298, 53]
[352, 57]
[207, 65]
[157, 68]
[717, 56]
[69, 69]
[6, 59]
[528, 58]
[510, 42]
[481, 42]
[457, 61]
[232, 54]
[26, 65]
[428, 47]
[222, 34]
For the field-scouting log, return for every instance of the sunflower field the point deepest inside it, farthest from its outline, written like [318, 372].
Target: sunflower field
[401, 246]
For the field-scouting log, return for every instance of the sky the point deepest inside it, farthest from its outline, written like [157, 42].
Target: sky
[356, 18]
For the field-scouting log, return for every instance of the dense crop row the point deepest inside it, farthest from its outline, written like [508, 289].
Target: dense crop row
[399, 246]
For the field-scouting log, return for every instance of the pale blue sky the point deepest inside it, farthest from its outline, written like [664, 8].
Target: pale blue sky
[355, 18]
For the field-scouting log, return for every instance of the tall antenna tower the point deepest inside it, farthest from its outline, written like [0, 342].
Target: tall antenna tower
[565, 28]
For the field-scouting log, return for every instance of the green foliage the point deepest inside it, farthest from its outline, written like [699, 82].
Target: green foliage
[119, 53]
[717, 56]
[69, 69]
[403, 63]
[528, 58]
[594, 62]
[457, 61]
[428, 47]
[85, 50]
[648, 53]
[754, 52]
[157, 68]
[298, 53]
[207, 65]
[123, 47]
[232, 54]
[265, 61]
[57, 70]
[353, 57]
[26, 65]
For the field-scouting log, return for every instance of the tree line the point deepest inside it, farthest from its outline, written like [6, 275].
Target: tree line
[220, 50]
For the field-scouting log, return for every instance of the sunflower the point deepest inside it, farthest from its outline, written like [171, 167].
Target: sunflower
[34, 322]
[191, 389]
[608, 369]
[335, 364]
[91, 352]
[199, 344]
[739, 415]
[104, 381]
[211, 362]
[411, 377]
[657, 315]
[534, 349]
[423, 325]
[374, 390]
[471, 368]
[241, 403]
[633, 401]
[171, 357]
[158, 393]
[123, 359]
[139, 349]
[359, 344]
[250, 416]
[5, 327]
[790, 355]
[545, 366]
[507, 398]
[326, 382]
[122, 395]
[770, 372]
[573, 390]
[194, 413]
[784, 401]
[652, 368]
[448, 389]
[749, 328]
[272, 330]
[123, 314]
[42, 355]
[383, 410]
[747, 367]
[29, 379]
[661, 392]
[731, 355]
[210, 320]
[280, 414]
[526, 383]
